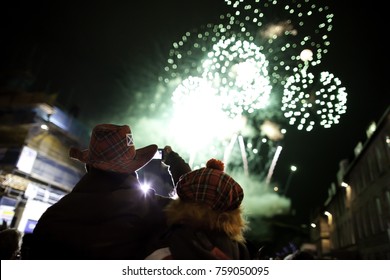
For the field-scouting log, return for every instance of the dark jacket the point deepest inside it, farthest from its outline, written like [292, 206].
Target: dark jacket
[106, 216]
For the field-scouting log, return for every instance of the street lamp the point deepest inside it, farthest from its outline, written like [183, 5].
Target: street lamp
[330, 217]
[293, 168]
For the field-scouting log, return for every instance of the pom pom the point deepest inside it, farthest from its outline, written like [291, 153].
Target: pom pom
[215, 164]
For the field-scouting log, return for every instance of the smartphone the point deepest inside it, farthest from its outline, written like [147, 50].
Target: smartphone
[159, 154]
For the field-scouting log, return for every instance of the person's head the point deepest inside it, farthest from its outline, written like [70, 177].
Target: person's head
[10, 240]
[209, 198]
[112, 149]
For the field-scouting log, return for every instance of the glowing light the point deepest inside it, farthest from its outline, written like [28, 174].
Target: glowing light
[308, 101]
[186, 55]
[243, 154]
[44, 127]
[330, 217]
[273, 164]
[271, 130]
[229, 148]
[238, 70]
[371, 129]
[197, 110]
[306, 55]
[284, 30]
[293, 168]
[252, 63]
[195, 103]
[145, 187]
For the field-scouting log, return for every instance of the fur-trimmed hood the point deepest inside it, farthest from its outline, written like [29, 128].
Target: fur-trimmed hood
[199, 216]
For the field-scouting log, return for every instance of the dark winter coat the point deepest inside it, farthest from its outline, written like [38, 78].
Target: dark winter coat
[106, 216]
[102, 218]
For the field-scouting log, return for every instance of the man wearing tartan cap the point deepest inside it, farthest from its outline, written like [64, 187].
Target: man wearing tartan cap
[107, 215]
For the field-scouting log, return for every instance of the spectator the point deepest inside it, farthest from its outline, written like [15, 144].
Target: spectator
[25, 246]
[9, 244]
[106, 215]
[4, 225]
[206, 220]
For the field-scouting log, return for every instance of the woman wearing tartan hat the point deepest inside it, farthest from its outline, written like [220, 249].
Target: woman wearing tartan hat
[206, 220]
[107, 215]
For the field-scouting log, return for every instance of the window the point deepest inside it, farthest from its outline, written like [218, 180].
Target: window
[379, 158]
[387, 195]
[379, 213]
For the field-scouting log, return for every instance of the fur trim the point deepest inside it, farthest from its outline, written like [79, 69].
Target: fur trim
[198, 216]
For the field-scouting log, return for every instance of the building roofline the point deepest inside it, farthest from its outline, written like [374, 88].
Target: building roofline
[380, 124]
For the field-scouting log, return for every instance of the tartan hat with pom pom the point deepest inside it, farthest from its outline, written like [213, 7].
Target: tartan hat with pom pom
[211, 186]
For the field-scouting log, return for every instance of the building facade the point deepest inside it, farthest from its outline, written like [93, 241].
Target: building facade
[35, 168]
[354, 222]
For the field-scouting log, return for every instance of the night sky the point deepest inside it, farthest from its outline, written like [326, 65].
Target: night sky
[97, 55]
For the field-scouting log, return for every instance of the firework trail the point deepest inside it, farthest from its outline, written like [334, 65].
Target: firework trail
[273, 164]
[243, 154]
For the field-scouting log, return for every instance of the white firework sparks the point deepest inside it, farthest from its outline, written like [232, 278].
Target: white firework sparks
[186, 54]
[197, 111]
[308, 100]
[283, 29]
[238, 70]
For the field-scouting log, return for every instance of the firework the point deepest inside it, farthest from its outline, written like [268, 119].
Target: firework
[284, 31]
[185, 56]
[197, 111]
[256, 57]
[272, 130]
[308, 100]
[238, 70]
[273, 164]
